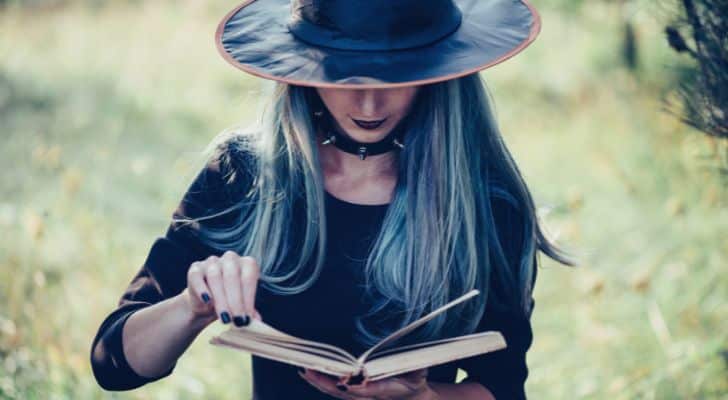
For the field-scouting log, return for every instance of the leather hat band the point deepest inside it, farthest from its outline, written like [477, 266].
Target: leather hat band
[373, 24]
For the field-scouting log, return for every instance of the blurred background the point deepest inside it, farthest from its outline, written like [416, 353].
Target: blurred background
[106, 106]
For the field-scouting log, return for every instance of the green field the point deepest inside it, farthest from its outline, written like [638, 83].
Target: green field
[104, 112]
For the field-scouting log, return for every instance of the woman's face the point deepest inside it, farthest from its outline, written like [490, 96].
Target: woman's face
[368, 115]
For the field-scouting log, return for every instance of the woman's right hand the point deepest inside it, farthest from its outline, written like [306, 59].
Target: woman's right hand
[223, 287]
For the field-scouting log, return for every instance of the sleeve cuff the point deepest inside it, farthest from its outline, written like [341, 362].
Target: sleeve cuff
[110, 366]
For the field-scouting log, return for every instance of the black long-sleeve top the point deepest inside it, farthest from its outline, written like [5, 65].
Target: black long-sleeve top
[351, 230]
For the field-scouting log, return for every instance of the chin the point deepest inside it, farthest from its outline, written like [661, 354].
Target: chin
[365, 136]
[372, 138]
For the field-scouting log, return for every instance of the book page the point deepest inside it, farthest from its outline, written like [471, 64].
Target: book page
[403, 331]
[304, 348]
[399, 363]
[410, 347]
[259, 330]
[288, 356]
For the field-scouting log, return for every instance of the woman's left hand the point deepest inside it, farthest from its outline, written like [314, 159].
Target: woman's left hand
[410, 386]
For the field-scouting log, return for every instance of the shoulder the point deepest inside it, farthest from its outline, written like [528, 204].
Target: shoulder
[513, 257]
[214, 198]
[511, 222]
[226, 177]
[233, 157]
[230, 168]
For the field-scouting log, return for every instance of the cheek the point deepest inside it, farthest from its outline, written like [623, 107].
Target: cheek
[406, 105]
[408, 98]
[335, 100]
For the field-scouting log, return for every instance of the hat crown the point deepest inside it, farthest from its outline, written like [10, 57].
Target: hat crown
[373, 24]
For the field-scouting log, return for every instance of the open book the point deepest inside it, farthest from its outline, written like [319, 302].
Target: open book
[376, 363]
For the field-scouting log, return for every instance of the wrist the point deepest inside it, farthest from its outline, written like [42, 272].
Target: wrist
[194, 321]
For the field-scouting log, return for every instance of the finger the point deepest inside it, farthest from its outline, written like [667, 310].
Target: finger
[231, 284]
[414, 376]
[213, 277]
[196, 283]
[386, 388]
[333, 384]
[326, 385]
[249, 275]
[311, 381]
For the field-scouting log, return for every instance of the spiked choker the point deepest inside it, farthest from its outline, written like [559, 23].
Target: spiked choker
[393, 140]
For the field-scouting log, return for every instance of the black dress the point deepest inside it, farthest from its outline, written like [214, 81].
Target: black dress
[351, 229]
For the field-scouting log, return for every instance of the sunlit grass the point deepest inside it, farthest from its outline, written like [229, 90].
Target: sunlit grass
[104, 112]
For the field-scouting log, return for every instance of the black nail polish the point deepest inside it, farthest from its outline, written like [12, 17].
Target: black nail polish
[225, 317]
[341, 387]
[301, 370]
[241, 321]
[205, 298]
[356, 379]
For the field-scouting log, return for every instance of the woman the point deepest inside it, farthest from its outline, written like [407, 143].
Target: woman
[376, 188]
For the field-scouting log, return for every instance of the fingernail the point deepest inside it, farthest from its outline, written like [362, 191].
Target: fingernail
[205, 297]
[301, 370]
[341, 387]
[225, 317]
[241, 321]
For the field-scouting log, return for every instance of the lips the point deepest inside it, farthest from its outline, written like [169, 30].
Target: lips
[368, 124]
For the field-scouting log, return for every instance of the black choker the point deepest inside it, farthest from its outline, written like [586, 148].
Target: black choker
[393, 140]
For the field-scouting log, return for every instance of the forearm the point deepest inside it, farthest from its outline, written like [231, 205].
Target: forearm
[156, 336]
[460, 391]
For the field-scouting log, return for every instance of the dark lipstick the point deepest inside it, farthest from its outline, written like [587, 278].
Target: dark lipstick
[369, 124]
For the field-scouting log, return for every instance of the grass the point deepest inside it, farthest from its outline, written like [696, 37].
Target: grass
[104, 111]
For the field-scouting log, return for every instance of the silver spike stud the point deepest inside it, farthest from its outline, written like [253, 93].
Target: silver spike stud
[397, 143]
[330, 139]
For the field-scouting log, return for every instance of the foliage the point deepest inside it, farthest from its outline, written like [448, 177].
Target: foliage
[704, 94]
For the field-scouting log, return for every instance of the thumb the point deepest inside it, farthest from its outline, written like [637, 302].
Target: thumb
[414, 375]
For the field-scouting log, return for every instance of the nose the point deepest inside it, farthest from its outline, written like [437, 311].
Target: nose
[368, 103]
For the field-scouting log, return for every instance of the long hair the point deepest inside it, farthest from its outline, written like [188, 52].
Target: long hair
[438, 238]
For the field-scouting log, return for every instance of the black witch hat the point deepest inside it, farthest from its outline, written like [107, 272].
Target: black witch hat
[373, 43]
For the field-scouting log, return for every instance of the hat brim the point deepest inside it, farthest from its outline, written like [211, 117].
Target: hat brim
[254, 38]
